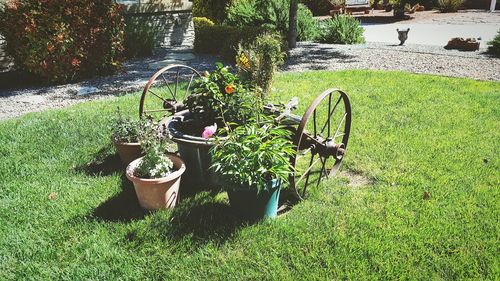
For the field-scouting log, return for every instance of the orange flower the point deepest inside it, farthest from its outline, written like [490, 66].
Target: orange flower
[59, 37]
[229, 89]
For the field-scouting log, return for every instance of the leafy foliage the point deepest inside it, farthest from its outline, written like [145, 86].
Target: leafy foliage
[156, 146]
[220, 97]
[214, 10]
[253, 154]
[59, 41]
[307, 26]
[202, 21]
[224, 40]
[318, 7]
[494, 45]
[273, 15]
[154, 164]
[125, 129]
[341, 29]
[257, 62]
[450, 6]
[140, 36]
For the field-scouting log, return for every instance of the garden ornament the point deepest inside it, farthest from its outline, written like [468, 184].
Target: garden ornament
[402, 36]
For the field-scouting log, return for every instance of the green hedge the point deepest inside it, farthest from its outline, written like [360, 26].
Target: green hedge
[223, 40]
[215, 10]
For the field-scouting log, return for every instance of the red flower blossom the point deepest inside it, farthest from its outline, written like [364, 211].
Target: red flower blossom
[75, 62]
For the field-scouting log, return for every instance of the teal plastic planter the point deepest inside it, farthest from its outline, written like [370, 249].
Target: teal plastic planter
[251, 205]
[195, 152]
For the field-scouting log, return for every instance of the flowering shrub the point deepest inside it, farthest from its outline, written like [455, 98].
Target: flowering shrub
[154, 164]
[156, 146]
[220, 97]
[59, 40]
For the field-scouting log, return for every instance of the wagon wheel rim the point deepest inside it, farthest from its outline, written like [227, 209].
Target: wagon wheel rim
[320, 143]
[166, 90]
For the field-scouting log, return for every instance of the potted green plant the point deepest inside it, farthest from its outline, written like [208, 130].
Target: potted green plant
[157, 175]
[253, 162]
[125, 137]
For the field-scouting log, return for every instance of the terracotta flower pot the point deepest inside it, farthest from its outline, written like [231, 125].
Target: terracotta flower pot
[128, 151]
[160, 193]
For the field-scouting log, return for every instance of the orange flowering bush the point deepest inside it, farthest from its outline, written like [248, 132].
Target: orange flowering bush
[61, 40]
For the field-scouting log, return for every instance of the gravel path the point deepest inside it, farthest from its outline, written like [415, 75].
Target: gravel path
[411, 58]
[20, 100]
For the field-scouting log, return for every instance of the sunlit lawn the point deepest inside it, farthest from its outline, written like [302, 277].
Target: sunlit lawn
[411, 134]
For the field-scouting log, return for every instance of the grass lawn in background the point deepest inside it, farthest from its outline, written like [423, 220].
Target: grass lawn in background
[68, 212]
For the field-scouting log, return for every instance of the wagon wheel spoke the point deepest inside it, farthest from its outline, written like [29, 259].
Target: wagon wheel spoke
[308, 170]
[339, 126]
[176, 82]
[330, 114]
[168, 87]
[189, 85]
[154, 94]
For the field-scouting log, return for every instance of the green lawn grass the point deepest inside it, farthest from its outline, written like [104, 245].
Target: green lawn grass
[411, 134]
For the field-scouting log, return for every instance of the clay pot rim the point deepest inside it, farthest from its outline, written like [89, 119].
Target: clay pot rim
[170, 177]
[125, 143]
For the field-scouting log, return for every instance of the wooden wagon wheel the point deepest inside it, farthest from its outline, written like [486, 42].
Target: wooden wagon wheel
[166, 90]
[321, 140]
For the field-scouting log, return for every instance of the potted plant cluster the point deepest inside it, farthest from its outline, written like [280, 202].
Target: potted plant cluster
[156, 176]
[253, 161]
[218, 99]
[125, 137]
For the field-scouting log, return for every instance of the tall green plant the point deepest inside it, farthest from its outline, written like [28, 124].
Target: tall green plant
[341, 29]
[258, 61]
[253, 154]
[494, 45]
[450, 6]
[273, 15]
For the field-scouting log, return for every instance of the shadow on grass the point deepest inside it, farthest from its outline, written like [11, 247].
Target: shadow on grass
[201, 219]
[123, 207]
[105, 162]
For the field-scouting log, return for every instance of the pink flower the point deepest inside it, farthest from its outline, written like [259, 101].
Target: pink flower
[209, 131]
